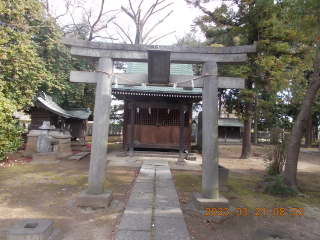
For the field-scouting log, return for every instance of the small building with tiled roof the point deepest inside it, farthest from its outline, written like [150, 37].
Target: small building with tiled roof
[46, 109]
[157, 110]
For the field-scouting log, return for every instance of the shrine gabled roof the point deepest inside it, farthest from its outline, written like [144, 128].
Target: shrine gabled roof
[229, 122]
[158, 91]
[48, 102]
[175, 69]
[82, 113]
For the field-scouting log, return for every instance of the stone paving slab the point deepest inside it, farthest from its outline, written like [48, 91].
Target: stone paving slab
[141, 179]
[165, 184]
[143, 187]
[79, 155]
[169, 220]
[133, 235]
[136, 219]
[171, 228]
[166, 193]
[137, 199]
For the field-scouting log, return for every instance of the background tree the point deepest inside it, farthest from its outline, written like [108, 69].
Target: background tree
[268, 72]
[21, 70]
[143, 22]
[304, 19]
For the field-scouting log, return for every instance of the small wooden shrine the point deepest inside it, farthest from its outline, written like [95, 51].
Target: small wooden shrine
[229, 129]
[46, 109]
[159, 114]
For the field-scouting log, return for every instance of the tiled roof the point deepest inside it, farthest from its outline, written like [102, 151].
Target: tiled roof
[229, 122]
[48, 102]
[175, 69]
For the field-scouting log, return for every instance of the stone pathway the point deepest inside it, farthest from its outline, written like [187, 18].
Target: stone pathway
[136, 221]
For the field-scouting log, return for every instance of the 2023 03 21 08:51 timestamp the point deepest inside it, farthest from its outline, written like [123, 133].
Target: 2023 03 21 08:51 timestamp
[258, 212]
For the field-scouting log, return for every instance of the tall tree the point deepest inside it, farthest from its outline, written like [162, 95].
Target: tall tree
[143, 23]
[304, 18]
[22, 71]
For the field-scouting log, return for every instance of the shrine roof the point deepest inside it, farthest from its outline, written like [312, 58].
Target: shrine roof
[49, 102]
[175, 69]
[157, 91]
[161, 91]
[82, 113]
[229, 122]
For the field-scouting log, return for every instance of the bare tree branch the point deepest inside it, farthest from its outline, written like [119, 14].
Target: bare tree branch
[63, 14]
[122, 30]
[161, 37]
[161, 21]
[132, 8]
[127, 12]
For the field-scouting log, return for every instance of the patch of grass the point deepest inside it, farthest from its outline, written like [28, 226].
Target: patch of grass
[244, 191]
[186, 182]
[3, 196]
[75, 180]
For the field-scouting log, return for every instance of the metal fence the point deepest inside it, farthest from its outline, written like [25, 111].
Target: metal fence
[113, 130]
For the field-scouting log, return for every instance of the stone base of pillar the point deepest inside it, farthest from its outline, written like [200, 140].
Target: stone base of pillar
[211, 215]
[94, 201]
[181, 161]
[44, 156]
[202, 203]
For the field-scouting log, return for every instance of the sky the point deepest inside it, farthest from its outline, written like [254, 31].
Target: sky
[179, 21]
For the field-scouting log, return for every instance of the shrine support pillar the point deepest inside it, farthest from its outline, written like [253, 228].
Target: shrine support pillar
[181, 160]
[96, 196]
[132, 122]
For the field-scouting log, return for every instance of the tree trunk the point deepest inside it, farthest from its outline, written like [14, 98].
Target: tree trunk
[220, 103]
[290, 171]
[309, 132]
[255, 134]
[246, 136]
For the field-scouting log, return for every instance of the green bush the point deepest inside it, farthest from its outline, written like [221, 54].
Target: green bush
[10, 130]
[274, 186]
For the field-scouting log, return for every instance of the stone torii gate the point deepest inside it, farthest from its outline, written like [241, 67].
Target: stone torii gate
[106, 53]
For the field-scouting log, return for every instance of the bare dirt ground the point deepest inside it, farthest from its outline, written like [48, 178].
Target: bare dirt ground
[49, 191]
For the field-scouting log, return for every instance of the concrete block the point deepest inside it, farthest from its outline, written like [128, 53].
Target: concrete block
[264, 234]
[170, 228]
[94, 201]
[64, 140]
[56, 235]
[223, 178]
[202, 203]
[32, 139]
[31, 229]
[133, 235]
[44, 156]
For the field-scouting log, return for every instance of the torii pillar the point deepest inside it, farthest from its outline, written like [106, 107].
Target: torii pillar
[95, 196]
[210, 161]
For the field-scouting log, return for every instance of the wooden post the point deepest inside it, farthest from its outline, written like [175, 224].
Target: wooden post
[181, 141]
[132, 122]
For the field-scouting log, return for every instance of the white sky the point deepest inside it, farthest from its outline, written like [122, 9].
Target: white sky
[179, 21]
